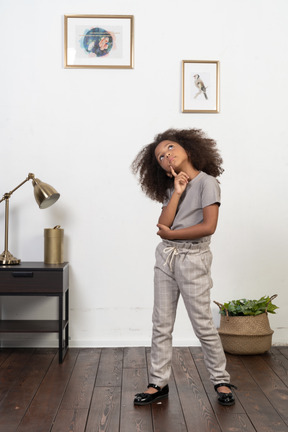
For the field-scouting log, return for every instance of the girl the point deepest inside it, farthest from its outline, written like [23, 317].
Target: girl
[179, 169]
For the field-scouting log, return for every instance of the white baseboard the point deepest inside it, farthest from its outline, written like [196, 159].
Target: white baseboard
[38, 342]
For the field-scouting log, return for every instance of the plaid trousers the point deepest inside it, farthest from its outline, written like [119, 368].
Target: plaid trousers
[184, 268]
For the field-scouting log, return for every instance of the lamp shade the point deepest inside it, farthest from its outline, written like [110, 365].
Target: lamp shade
[45, 195]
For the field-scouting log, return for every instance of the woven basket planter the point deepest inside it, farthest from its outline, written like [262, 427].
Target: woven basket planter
[245, 335]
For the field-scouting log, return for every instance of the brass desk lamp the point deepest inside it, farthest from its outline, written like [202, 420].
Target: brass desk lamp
[45, 196]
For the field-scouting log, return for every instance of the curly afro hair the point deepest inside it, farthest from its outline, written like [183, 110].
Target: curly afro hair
[201, 151]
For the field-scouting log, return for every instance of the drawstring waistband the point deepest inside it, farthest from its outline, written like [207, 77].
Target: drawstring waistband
[172, 251]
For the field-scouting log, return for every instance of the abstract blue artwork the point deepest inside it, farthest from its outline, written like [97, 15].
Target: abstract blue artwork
[97, 41]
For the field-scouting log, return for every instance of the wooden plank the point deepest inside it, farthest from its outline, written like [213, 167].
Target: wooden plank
[167, 414]
[134, 357]
[73, 420]
[32, 387]
[284, 351]
[134, 418]
[110, 368]
[11, 368]
[229, 418]
[249, 396]
[270, 384]
[232, 418]
[236, 423]
[21, 393]
[4, 354]
[197, 355]
[261, 412]
[197, 410]
[238, 374]
[104, 413]
[278, 363]
[80, 388]
[43, 409]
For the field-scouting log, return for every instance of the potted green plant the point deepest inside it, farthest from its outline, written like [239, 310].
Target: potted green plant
[244, 325]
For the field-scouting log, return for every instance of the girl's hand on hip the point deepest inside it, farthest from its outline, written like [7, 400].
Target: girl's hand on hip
[180, 181]
[164, 232]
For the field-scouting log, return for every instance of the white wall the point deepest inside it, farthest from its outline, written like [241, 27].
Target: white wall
[79, 130]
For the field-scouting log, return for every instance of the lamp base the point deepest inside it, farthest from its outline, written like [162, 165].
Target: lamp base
[6, 258]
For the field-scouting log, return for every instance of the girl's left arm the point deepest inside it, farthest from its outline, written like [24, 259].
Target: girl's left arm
[205, 228]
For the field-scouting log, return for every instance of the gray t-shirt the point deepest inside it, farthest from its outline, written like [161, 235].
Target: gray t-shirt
[202, 191]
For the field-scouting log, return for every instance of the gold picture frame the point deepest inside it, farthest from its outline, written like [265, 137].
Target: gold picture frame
[200, 86]
[98, 41]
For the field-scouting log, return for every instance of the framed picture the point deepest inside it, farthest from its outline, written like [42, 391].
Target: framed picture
[200, 86]
[98, 41]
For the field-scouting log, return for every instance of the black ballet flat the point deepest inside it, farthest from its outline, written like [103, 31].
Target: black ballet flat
[226, 399]
[147, 398]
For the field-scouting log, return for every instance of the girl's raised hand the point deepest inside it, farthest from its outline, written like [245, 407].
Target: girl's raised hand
[180, 181]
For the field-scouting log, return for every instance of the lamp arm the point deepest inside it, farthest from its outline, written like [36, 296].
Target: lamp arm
[8, 194]
[45, 195]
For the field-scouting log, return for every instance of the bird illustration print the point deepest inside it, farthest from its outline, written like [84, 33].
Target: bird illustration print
[200, 85]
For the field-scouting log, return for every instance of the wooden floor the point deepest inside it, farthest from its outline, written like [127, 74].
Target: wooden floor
[93, 391]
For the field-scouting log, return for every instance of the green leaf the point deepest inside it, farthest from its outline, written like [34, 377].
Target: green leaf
[244, 307]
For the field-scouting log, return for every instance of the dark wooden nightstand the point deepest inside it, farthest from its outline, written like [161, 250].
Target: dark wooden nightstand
[38, 279]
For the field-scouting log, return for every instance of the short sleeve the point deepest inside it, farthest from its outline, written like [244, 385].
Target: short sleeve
[211, 193]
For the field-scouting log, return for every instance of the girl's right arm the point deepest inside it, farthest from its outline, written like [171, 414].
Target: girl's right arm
[169, 212]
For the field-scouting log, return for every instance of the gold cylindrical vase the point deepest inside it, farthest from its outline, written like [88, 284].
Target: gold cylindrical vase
[53, 245]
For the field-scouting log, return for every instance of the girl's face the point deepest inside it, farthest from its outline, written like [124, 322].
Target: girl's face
[170, 153]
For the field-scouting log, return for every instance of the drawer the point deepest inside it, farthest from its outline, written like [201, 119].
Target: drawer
[31, 281]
